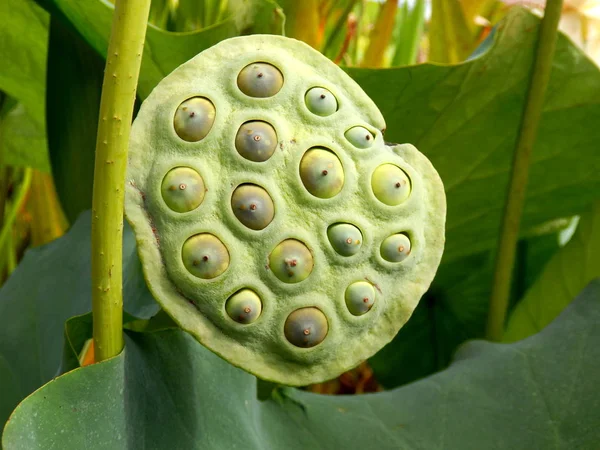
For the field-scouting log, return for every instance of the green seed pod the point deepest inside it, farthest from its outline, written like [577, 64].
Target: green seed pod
[205, 256]
[291, 261]
[359, 137]
[395, 248]
[194, 118]
[244, 306]
[182, 189]
[253, 206]
[360, 297]
[390, 184]
[306, 327]
[345, 239]
[322, 173]
[320, 101]
[256, 141]
[260, 80]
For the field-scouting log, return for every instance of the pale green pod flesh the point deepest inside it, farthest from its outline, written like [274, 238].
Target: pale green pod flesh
[346, 239]
[205, 256]
[306, 327]
[321, 102]
[253, 206]
[322, 173]
[360, 297]
[256, 141]
[360, 137]
[182, 189]
[395, 248]
[194, 118]
[390, 184]
[291, 261]
[244, 306]
[260, 80]
[300, 238]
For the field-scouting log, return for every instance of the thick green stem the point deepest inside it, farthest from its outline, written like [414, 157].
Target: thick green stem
[116, 109]
[520, 170]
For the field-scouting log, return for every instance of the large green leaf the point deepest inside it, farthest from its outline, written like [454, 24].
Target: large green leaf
[23, 45]
[75, 73]
[51, 284]
[465, 119]
[566, 274]
[167, 391]
[164, 51]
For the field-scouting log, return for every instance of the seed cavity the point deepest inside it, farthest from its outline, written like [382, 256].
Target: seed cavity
[306, 327]
[321, 172]
[395, 248]
[390, 184]
[256, 141]
[260, 79]
[245, 306]
[194, 118]
[253, 206]
[291, 261]
[360, 137]
[182, 189]
[346, 239]
[320, 101]
[360, 297]
[205, 256]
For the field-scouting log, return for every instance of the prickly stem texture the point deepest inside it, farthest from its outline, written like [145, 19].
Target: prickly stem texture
[116, 110]
[515, 199]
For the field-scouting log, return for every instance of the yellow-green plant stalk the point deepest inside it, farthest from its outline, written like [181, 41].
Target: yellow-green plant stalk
[116, 109]
[513, 208]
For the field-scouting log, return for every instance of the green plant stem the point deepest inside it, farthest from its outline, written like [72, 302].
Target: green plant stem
[509, 232]
[116, 109]
[15, 206]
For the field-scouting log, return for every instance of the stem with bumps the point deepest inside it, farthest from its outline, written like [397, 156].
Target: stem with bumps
[520, 170]
[116, 110]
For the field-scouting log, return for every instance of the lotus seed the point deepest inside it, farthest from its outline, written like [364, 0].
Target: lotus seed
[360, 297]
[260, 80]
[395, 248]
[360, 137]
[291, 261]
[205, 256]
[253, 206]
[182, 189]
[345, 239]
[244, 306]
[390, 184]
[194, 118]
[320, 101]
[322, 173]
[256, 141]
[306, 327]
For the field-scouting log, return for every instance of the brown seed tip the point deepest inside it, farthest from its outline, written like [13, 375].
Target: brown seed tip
[256, 138]
[401, 248]
[182, 186]
[398, 184]
[349, 241]
[324, 172]
[323, 95]
[366, 299]
[306, 332]
[252, 207]
[260, 75]
[247, 309]
[368, 137]
[205, 258]
[192, 114]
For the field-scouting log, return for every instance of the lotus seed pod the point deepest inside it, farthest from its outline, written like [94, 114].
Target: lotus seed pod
[320, 101]
[205, 256]
[306, 327]
[390, 184]
[322, 173]
[291, 261]
[244, 306]
[395, 248]
[256, 141]
[253, 206]
[182, 189]
[293, 264]
[345, 239]
[194, 118]
[260, 80]
[360, 297]
[360, 137]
